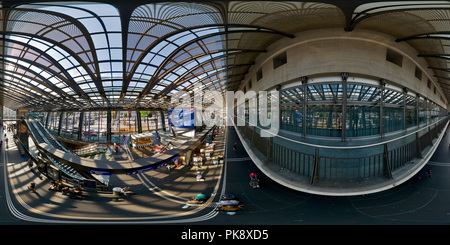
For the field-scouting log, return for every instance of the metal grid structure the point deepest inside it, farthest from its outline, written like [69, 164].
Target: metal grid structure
[136, 54]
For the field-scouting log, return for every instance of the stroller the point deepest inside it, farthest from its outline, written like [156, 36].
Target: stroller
[254, 181]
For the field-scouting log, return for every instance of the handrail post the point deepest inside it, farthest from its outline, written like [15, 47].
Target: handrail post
[344, 76]
[315, 169]
[269, 150]
[252, 137]
[386, 164]
[419, 148]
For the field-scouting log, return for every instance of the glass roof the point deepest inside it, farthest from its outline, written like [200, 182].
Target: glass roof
[79, 48]
[81, 55]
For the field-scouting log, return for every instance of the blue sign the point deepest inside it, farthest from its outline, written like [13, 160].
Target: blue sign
[146, 169]
[98, 172]
[182, 117]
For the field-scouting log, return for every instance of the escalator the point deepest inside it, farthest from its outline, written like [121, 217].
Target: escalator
[41, 135]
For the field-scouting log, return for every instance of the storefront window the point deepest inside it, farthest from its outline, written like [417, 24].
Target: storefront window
[44, 118]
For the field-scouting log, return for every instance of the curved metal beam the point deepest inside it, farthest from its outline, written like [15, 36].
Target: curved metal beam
[46, 84]
[180, 80]
[438, 56]
[358, 17]
[153, 81]
[68, 79]
[434, 35]
[95, 77]
[440, 69]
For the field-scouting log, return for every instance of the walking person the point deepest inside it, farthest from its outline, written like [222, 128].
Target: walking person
[30, 163]
[429, 173]
[32, 187]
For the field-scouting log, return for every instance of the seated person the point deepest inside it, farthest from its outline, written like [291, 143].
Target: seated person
[72, 192]
[53, 186]
[77, 191]
[199, 177]
[127, 191]
[65, 190]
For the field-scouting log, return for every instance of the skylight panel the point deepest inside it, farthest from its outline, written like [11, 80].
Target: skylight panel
[115, 40]
[190, 65]
[117, 67]
[38, 44]
[172, 77]
[180, 70]
[100, 41]
[56, 55]
[207, 31]
[203, 59]
[157, 60]
[112, 24]
[116, 54]
[65, 63]
[19, 38]
[103, 55]
[150, 70]
[184, 38]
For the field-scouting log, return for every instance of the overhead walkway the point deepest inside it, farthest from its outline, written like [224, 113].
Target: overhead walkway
[335, 168]
[65, 159]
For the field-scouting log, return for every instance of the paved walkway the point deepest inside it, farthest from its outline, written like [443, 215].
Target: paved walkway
[421, 200]
[160, 194]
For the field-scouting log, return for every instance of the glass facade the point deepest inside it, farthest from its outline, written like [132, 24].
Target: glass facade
[332, 109]
[324, 110]
[151, 121]
[93, 126]
[292, 119]
[53, 122]
[70, 124]
[362, 120]
[324, 120]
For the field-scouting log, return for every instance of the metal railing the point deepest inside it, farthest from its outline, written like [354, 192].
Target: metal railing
[321, 163]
